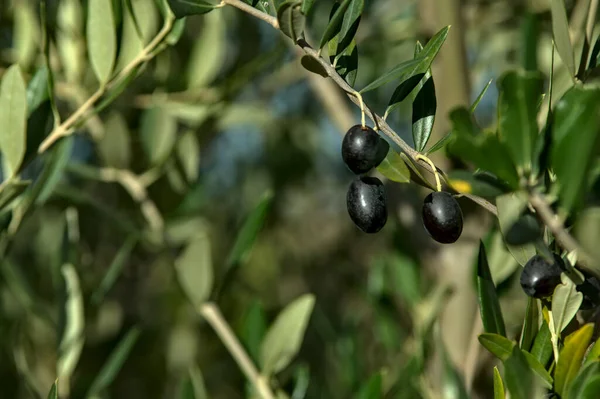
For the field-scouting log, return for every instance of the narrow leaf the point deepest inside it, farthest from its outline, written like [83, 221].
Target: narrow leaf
[37, 90]
[114, 270]
[284, 337]
[518, 375]
[183, 8]
[570, 358]
[415, 174]
[423, 114]
[290, 18]
[72, 340]
[101, 38]
[498, 385]
[11, 190]
[586, 377]
[372, 389]
[113, 364]
[560, 31]
[530, 325]
[441, 143]
[13, 119]
[542, 345]
[481, 184]
[193, 386]
[306, 6]
[473, 106]
[520, 93]
[394, 168]
[497, 345]
[594, 353]
[194, 269]
[350, 24]
[575, 136]
[489, 305]
[566, 301]
[347, 63]
[53, 394]
[335, 23]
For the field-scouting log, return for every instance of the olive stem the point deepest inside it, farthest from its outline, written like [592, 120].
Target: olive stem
[362, 109]
[438, 183]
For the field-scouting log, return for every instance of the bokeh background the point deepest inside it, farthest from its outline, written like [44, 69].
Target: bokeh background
[214, 123]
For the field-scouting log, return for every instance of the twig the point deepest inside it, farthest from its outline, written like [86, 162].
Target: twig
[216, 320]
[65, 128]
[560, 234]
[350, 92]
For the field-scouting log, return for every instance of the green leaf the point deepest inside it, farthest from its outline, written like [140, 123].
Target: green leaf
[194, 269]
[11, 190]
[312, 65]
[489, 305]
[441, 143]
[114, 148]
[53, 394]
[37, 90]
[483, 149]
[347, 63]
[525, 230]
[335, 23]
[158, 130]
[101, 38]
[290, 18]
[372, 389]
[114, 270]
[560, 31]
[254, 328]
[588, 375]
[209, 51]
[510, 207]
[542, 345]
[473, 106]
[183, 8]
[72, 338]
[480, 184]
[13, 119]
[415, 174]
[113, 364]
[403, 90]
[306, 6]
[497, 345]
[587, 230]
[566, 301]
[193, 386]
[423, 114]
[518, 375]
[594, 353]
[350, 24]
[249, 231]
[538, 369]
[413, 67]
[570, 357]
[176, 33]
[284, 337]
[54, 166]
[113, 92]
[530, 324]
[520, 94]
[394, 168]
[575, 139]
[498, 385]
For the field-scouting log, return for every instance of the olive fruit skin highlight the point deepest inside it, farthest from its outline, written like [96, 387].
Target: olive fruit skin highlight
[363, 149]
[442, 217]
[366, 204]
[540, 276]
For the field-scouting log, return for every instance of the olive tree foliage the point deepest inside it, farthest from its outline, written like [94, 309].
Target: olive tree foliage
[101, 130]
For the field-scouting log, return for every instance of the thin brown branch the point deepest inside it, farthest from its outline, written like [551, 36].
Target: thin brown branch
[351, 93]
[213, 316]
[563, 238]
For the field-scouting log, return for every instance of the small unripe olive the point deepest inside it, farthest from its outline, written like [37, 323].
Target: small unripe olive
[363, 149]
[442, 217]
[366, 204]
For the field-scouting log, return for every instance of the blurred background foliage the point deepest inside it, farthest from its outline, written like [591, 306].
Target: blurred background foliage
[222, 126]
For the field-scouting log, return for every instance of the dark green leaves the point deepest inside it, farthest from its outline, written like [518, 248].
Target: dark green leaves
[306, 6]
[520, 93]
[489, 306]
[586, 382]
[335, 23]
[291, 19]
[518, 375]
[423, 114]
[183, 8]
[394, 168]
[574, 140]
[312, 65]
[413, 67]
[560, 31]
[350, 24]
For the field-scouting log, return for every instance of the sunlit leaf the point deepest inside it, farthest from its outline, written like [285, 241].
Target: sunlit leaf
[566, 301]
[498, 385]
[497, 345]
[588, 376]
[423, 114]
[72, 339]
[101, 38]
[560, 31]
[335, 22]
[13, 119]
[570, 357]
[284, 337]
[350, 24]
[473, 106]
[441, 143]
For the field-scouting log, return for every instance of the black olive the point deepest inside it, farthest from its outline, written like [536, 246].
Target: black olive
[540, 276]
[442, 217]
[363, 149]
[367, 204]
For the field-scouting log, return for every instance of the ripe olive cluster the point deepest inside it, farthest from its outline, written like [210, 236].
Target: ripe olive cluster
[362, 150]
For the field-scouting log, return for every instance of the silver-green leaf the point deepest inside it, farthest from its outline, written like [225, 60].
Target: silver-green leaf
[101, 38]
[13, 119]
